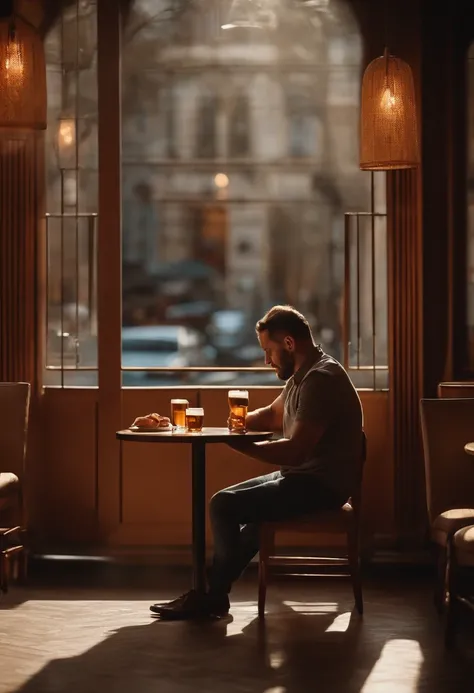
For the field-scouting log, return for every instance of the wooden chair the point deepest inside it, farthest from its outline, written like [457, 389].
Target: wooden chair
[446, 426]
[14, 412]
[460, 579]
[342, 521]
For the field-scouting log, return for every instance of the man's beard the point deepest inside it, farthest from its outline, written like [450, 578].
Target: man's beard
[287, 365]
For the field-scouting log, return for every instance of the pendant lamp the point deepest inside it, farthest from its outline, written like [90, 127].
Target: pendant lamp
[22, 75]
[388, 119]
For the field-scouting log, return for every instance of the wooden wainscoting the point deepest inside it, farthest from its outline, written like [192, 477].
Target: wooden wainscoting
[155, 482]
[64, 488]
[155, 507]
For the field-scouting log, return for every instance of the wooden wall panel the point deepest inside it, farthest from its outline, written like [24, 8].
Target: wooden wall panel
[65, 478]
[156, 479]
[378, 492]
[155, 487]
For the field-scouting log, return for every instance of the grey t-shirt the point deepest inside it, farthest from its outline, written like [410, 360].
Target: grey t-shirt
[321, 391]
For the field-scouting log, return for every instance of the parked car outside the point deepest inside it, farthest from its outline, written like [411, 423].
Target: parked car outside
[164, 346]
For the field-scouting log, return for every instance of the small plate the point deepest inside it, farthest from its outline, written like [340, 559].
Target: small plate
[147, 429]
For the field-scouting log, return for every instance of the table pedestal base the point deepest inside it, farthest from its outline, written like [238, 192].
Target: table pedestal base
[199, 515]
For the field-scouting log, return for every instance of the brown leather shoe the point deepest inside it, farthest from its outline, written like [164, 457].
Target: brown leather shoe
[193, 605]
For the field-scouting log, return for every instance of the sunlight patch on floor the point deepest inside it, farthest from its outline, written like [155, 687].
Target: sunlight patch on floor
[277, 659]
[397, 668]
[243, 614]
[312, 607]
[340, 623]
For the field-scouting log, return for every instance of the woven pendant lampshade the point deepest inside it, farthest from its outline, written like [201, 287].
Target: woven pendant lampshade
[388, 123]
[22, 76]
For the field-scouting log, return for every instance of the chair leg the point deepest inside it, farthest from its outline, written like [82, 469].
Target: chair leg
[266, 543]
[354, 566]
[23, 558]
[451, 596]
[23, 566]
[4, 573]
[441, 580]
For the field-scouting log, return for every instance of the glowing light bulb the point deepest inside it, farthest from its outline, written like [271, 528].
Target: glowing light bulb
[67, 133]
[388, 100]
[221, 180]
[14, 64]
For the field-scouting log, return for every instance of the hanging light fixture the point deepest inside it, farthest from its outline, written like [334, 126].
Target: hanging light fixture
[66, 143]
[22, 75]
[388, 120]
[251, 14]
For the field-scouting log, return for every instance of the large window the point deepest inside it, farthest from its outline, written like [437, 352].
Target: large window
[248, 211]
[239, 163]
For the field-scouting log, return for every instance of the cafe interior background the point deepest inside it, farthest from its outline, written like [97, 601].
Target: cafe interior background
[185, 179]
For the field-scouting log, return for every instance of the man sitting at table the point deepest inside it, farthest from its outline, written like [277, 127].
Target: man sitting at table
[320, 414]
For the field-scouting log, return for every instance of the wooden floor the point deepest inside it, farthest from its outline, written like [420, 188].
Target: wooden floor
[59, 637]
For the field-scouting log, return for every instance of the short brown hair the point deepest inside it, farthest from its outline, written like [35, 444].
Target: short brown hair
[287, 320]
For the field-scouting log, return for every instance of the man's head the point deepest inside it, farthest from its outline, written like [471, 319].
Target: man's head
[284, 334]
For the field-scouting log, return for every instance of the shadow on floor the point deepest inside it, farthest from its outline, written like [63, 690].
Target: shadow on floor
[309, 641]
[290, 652]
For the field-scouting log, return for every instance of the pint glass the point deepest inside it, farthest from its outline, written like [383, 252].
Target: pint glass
[238, 405]
[194, 419]
[178, 413]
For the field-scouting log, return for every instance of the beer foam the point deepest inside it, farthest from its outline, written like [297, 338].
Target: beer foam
[195, 411]
[179, 401]
[239, 394]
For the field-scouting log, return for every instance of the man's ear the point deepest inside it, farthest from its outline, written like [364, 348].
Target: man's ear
[289, 343]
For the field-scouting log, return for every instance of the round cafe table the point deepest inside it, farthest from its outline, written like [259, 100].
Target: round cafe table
[469, 448]
[198, 442]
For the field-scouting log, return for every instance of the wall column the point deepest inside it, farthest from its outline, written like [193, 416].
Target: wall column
[405, 286]
[21, 209]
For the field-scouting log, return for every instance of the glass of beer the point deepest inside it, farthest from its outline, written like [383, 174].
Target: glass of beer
[178, 413]
[194, 419]
[238, 404]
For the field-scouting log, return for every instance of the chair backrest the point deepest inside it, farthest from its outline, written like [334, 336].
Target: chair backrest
[14, 412]
[446, 426]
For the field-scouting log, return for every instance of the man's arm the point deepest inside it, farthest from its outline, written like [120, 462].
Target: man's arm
[314, 411]
[267, 418]
[289, 452]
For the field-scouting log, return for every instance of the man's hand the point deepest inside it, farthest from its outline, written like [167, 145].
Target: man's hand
[232, 420]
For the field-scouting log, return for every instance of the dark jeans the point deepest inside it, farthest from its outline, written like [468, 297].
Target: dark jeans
[237, 512]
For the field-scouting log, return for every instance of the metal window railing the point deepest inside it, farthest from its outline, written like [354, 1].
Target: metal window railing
[71, 291]
[365, 299]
